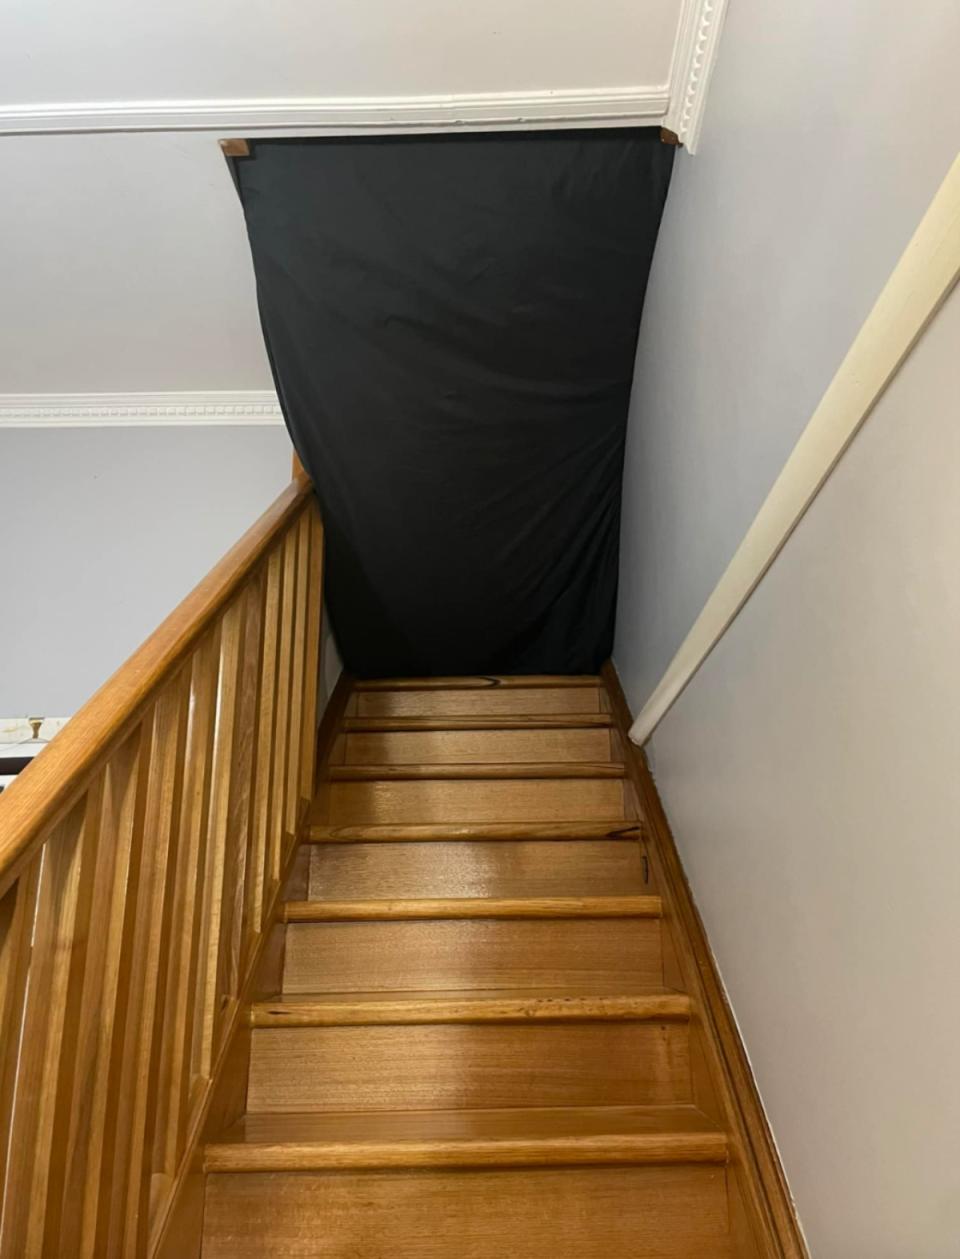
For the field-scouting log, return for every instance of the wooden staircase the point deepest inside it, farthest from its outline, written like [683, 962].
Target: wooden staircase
[427, 980]
[471, 1036]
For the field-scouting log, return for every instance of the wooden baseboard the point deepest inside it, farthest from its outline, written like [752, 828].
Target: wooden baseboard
[769, 1223]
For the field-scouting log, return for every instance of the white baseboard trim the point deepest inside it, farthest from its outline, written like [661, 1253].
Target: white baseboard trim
[341, 115]
[918, 286]
[253, 407]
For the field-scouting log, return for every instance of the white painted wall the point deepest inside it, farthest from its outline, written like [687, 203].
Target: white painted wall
[809, 770]
[105, 531]
[829, 129]
[810, 773]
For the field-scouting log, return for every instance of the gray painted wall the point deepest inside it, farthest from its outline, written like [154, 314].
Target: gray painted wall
[130, 270]
[810, 775]
[809, 770]
[106, 530]
[829, 129]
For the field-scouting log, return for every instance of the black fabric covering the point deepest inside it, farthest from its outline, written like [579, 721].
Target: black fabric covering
[452, 324]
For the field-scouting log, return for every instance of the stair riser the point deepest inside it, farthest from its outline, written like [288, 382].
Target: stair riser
[471, 954]
[464, 1066]
[589, 1212]
[472, 747]
[623, 831]
[500, 868]
[462, 802]
[528, 701]
[480, 682]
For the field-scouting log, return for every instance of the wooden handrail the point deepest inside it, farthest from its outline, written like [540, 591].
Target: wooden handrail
[41, 795]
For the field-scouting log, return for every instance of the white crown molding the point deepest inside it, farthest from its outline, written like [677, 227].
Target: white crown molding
[698, 38]
[252, 407]
[338, 115]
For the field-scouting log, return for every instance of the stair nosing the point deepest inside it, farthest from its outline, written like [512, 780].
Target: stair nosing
[626, 829]
[705, 1144]
[464, 907]
[485, 682]
[337, 1010]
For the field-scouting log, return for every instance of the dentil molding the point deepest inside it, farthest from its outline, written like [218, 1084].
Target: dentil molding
[698, 39]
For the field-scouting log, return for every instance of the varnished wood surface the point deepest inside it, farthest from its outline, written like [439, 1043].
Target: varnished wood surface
[471, 954]
[439, 1066]
[320, 832]
[480, 996]
[178, 1226]
[463, 772]
[516, 748]
[474, 907]
[533, 681]
[502, 1006]
[462, 802]
[40, 795]
[478, 721]
[502, 869]
[432, 703]
[641, 1211]
[469, 1138]
[134, 914]
[768, 1216]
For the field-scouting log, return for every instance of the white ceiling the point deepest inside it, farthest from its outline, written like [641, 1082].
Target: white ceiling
[123, 259]
[110, 50]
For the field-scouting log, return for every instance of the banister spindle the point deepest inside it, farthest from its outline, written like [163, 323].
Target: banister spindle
[261, 883]
[140, 860]
[298, 612]
[222, 765]
[314, 615]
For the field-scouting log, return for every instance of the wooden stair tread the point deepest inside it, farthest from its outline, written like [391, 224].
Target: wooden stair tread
[473, 907]
[516, 1136]
[470, 1005]
[483, 682]
[476, 721]
[466, 770]
[320, 832]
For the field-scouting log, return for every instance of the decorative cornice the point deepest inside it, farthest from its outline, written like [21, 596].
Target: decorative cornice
[126, 410]
[697, 41]
[337, 115]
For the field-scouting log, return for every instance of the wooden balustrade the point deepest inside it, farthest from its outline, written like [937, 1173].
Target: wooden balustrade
[140, 858]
